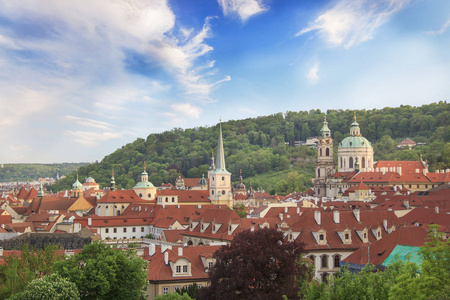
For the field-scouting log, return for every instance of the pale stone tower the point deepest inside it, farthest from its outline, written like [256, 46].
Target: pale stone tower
[220, 178]
[325, 163]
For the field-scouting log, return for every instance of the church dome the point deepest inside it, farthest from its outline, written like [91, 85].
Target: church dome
[203, 181]
[89, 180]
[355, 142]
[144, 184]
[77, 185]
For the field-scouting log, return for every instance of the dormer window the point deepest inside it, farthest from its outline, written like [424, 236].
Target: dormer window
[347, 236]
[178, 269]
[321, 237]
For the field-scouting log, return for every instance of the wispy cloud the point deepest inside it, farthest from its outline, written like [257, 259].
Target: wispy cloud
[313, 74]
[91, 138]
[441, 30]
[351, 22]
[90, 123]
[244, 9]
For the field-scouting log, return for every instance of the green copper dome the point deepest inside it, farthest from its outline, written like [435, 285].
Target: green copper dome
[144, 184]
[325, 131]
[355, 142]
[77, 185]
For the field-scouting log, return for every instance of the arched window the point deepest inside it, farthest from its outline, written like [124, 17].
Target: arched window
[327, 152]
[190, 243]
[118, 212]
[320, 152]
[212, 192]
[149, 195]
[337, 260]
[363, 162]
[341, 163]
[173, 199]
[350, 162]
[325, 262]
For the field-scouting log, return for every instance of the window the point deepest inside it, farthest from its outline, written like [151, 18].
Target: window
[327, 152]
[347, 236]
[185, 269]
[178, 269]
[115, 230]
[134, 229]
[165, 290]
[313, 259]
[325, 262]
[318, 172]
[199, 286]
[363, 162]
[167, 199]
[365, 235]
[140, 195]
[107, 230]
[212, 192]
[125, 229]
[173, 199]
[321, 237]
[149, 195]
[320, 152]
[142, 229]
[337, 260]
[176, 288]
[210, 264]
[223, 192]
[223, 178]
[350, 162]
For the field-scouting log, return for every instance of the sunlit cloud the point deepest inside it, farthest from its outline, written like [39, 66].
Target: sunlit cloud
[244, 9]
[441, 30]
[350, 22]
[313, 74]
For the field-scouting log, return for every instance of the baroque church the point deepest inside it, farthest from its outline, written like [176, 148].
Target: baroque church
[355, 165]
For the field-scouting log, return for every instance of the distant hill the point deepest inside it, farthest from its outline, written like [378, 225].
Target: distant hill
[264, 145]
[31, 172]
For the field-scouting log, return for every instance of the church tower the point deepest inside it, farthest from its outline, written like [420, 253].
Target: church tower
[325, 163]
[77, 190]
[145, 189]
[220, 178]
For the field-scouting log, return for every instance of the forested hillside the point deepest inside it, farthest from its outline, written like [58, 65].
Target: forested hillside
[263, 147]
[24, 172]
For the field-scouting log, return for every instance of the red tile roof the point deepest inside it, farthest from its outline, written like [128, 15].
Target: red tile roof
[121, 196]
[381, 249]
[187, 196]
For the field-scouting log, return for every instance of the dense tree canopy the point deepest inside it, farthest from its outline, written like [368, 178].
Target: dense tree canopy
[52, 287]
[17, 271]
[257, 264]
[101, 272]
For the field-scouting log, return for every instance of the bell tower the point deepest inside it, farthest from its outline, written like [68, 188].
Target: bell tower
[325, 162]
[220, 178]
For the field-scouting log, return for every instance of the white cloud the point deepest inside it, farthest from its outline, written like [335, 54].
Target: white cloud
[441, 30]
[312, 74]
[93, 139]
[243, 8]
[186, 110]
[90, 123]
[350, 22]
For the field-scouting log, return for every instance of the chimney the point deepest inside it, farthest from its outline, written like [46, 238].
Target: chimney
[406, 203]
[336, 217]
[151, 249]
[166, 258]
[285, 210]
[436, 209]
[385, 224]
[298, 210]
[252, 228]
[317, 216]
[357, 214]
[281, 217]
[178, 206]
[180, 251]
[199, 206]
[89, 221]
[399, 171]
[417, 171]
[383, 170]
[1, 251]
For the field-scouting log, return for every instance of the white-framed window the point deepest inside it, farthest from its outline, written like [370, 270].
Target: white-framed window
[178, 269]
[210, 264]
[185, 269]
[165, 290]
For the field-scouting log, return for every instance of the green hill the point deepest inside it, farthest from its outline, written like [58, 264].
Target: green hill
[24, 172]
[263, 147]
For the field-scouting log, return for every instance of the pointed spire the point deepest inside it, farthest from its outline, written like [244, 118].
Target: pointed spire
[220, 158]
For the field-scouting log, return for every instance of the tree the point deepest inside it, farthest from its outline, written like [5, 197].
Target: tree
[101, 272]
[173, 296]
[257, 264]
[17, 272]
[52, 287]
[240, 210]
[191, 290]
[434, 280]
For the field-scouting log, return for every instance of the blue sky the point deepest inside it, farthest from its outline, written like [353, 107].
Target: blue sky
[80, 79]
